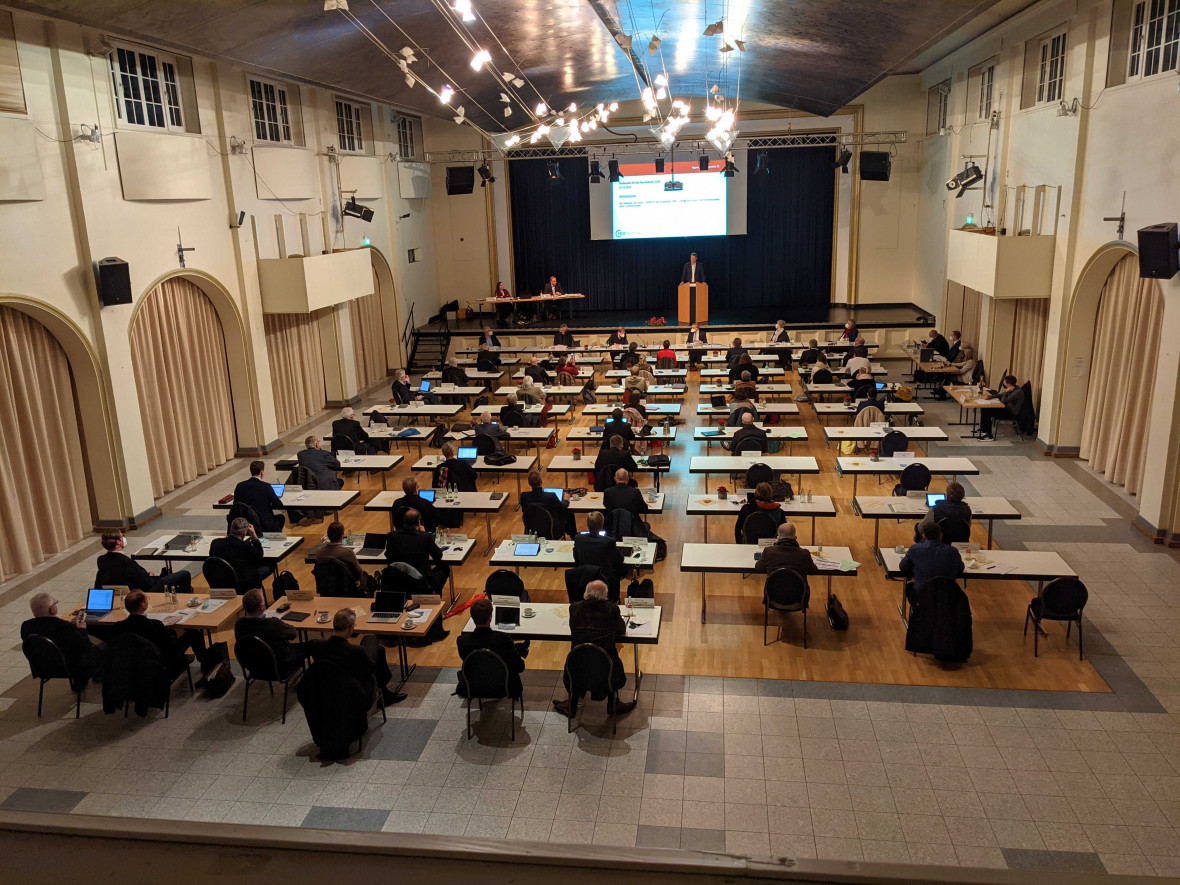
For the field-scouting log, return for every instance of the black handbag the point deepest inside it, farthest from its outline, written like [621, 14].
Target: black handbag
[499, 459]
[837, 617]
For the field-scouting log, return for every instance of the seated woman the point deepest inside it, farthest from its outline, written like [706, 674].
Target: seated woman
[635, 380]
[503, 311]
[763, 503]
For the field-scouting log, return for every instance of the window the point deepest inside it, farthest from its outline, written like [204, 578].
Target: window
[936, 107]
[1155, 38]
[985, 81]
[147, 88]
[351, 124]
[1051, 70]
[12, 90]
[270, 111]
[406, 143]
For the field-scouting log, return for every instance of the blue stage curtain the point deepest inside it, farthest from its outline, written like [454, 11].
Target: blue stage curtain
[784, 261]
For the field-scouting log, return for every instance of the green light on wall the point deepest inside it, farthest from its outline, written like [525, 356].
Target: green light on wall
[365, 242]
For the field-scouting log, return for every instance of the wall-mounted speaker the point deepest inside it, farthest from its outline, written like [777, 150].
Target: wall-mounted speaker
[460, 179]
[875, 165]
[113, 278]
[1159, 251]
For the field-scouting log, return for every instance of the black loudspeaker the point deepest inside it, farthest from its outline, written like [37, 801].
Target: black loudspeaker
[460, 179]
[875, 165]
[1159, 251]
[114, 281]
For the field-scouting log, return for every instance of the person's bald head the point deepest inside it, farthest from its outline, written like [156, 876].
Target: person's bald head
[595, 590]
[621, 476]
[786, 532]
[747, 419]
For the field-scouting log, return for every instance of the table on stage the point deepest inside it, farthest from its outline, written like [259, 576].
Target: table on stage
[566, 298]
[486, 503]
[796, 464]
[782, 434]
[711, 505]
[348, 463]
[879, 507]
[550, 622]
[856, 465]
[923, 435]
[521, 465]
[738, 559]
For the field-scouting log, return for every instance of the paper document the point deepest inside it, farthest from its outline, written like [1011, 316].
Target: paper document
[849, 565]
[640, 629]
[826, 563]
[171, 619]
[211, 605]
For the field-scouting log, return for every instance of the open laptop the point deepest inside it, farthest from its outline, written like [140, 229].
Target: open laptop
[278, 488]
[926, 355]
[507, 617]
[99, 602]
[387, 606]
[424, 387]
[374, 544]
[426, 495]
[933, 498]
[559, 492]
[468, 454]
[880, 385]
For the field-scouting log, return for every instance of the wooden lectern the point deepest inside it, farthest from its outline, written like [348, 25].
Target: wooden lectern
[694, 303]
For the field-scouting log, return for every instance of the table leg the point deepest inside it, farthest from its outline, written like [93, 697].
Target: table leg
[518, 487]
[877, 541]
[703, 599]
[638, 672]
[491, 541]
[705, 517]
[813, 530]
[451, 581]
[989, 533]
[901, 606]
[855, 477]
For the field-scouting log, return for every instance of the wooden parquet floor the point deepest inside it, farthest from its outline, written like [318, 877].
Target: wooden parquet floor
[871, 651]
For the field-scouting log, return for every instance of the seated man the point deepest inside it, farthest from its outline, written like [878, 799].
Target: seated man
[617, 454]
[323, 465]
[347, 425]
[666, 352]
[416, 548]
[563, 337]
[763, 503]
[735, 352]
[744, 366]
[859, 360]
[1011, 396]
[483, 636]
[411, 500]
[696, 335]
[617, 338]
[512, 415]
[938, 343]
[117, 569]
[257, 494]
[952, 355]
[486, 360]
[630, 356]
[623, 495]
[786, 553]
[559, 508]
[749, 437]
[740, 405]
[489, 339]
[454, 472]
[172, 647]
[745, 388]
[485, 425]
[930, 558]
[333, 548]
[242, 550]
[877, 399]
[83, 656]
[595, 619]
[951, 507]
[591, 547]
[535, 371]
[532, 394]
[811, 355]
[453, 374]
[404, 391]
[634, 381]
[275, 632]
[616, 426]
[365, 663]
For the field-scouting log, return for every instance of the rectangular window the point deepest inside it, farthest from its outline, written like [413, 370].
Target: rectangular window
[986, 81]
[147, 88]
[1051, 71]
[405, 139]
[270, 111]
[1155, 38]
[12, 90]
[937, 101]
[350, 128]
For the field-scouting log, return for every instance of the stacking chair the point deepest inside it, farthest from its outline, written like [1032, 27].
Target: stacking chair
[484, 677]
[785, 591]
[258, 662]
[135, 673]
[955, 531]
[46, 662]
[1062, 599]
[589, 668]
[758, 526]
[505, 582]
[539, 521]
[758, 473]
[220, 575]
[915, 477]
[334, 579]
[238, 509]
[893, 442]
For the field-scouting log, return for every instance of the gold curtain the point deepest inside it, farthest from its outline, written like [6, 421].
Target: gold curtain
[296, 367]
[44, 505]
[178, 354]
[972, 303]
[1030, 324]
[368, 336]
[1122, 375]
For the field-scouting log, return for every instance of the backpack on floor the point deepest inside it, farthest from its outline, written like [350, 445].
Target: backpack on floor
[219, 676]
[837, 617]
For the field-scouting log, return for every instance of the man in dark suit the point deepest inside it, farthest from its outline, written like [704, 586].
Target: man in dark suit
[563, 337]
[489, 338]
[786, 553]
[616, 426]
[365, 662]
[172, 647]
[552, 287]
[455, 375]
[811, 355]
[559, 508]
[416, 548]
[242, 549]
[323, 464]
[951, 507]
[486, 360]
[512, 415]
[411, 500]
[952, 355]
[616, 454]
[629, 357]
[347, 425]
[117, 569]
[597, 620]
[735, 353]
[931, 558]
[454, 472]
[485, 425]
[483, 636]
[535, 371]
[749, 437]
[257, 494]
[275, 632]
[696, 335]
[83, 656]
[624, 496]
[618, 338]
[693, 271]
[592, 548]
[938, 344]
[1011, 396]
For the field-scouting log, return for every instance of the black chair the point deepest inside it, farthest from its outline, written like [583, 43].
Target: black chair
[757, 526]
[752, 444]
[955, 531]
[505, 582]
[238, 510]
[538, 521]
[1062, 599]
[604, 478]
[893, 442]
[485, 677]
[221, 575]
[579, 576]
[914, 478]
[758, 473]
[622, 523]
[334, 579]
[392, 578]
[821, 376]
[258, 662]
[135, 672]
[342, 441]
[484, 444]
[336, 707]
[588, 669]
[785, 591]
[46, 662]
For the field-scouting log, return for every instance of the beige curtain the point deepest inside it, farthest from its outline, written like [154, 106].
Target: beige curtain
[1122, 375]
[368, 335]
[296, 366]
[44, 506]
[178, 353]
[1030, 324]
[972, 304]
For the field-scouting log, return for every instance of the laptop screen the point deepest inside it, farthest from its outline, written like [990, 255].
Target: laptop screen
[389, 601]
[933, 498]
[880, 385]
[279, 488]
[424, 387]
[374, 540]
[467, 453]
[507, 614]
[558, 492]
[99, 600]
[426, 495]
[528, 549]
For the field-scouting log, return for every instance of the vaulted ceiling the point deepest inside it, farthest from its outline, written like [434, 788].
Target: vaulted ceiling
[809, 55]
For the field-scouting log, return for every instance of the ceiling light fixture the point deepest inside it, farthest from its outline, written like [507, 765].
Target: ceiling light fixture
[761, 164]
[613, 170]
[446, 94]
[333, 5]
[553, 168]
[730, 167]
[541, 109]
[653, 45]
[353, 209]
[480, 59]
[716, 28]
[595, 172]
[659, 165]
[464, 10]
[703, 162]
[485, 175]
[843, 160]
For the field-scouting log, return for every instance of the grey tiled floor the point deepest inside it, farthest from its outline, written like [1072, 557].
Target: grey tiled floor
[1026, 780]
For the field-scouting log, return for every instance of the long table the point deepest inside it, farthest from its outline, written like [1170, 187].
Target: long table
[592, 501]
[557, 410]
[486, 503]
[272, 551]
[520, 466]
[711, 505]
[452, 554]
[796, 464]
[971, 402]
[530, 436]
[866, 434]
[566, 464]
[653, 409]
[763, 389]
[774, 408]
[223, 613]
[879, 507]
[858, 465]
[909, 410]
[381, 463]
[783, 434]
[658, 433]
[568, 298]
[560, 554]
[308, 499]
[416, 410]
[736, 559]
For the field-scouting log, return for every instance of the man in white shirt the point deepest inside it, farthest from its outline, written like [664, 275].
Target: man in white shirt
[694, 271]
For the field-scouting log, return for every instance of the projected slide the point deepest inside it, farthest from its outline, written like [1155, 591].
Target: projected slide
[642, 208]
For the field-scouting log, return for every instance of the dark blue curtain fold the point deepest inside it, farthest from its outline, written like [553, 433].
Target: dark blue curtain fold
[784, 260]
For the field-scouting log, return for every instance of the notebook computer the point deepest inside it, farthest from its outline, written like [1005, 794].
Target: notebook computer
[374, 544]
[559, 492]
[926, 355]
[426, 495]
[933, 498]
[181, 541]
[528, 549]
[387, 606]
[880, 385]
[99, 602]
[507, 616]
[278, 488]
[717, 401]
[424, 387]
[468, 454]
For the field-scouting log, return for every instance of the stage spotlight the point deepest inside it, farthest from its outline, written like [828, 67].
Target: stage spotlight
[613, 169]
[730, 168]
[703, 162]
[595, 172]
[554, 169]
[659, 165]
[761, 165]
[353, 209]
[964, 180]
[843, 160]
[485, 175]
